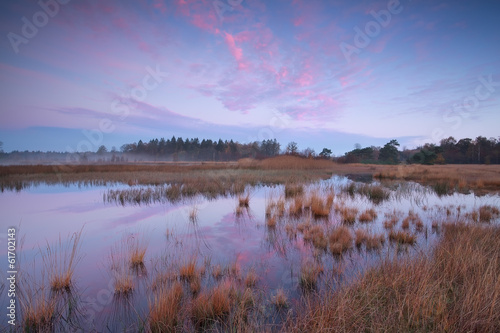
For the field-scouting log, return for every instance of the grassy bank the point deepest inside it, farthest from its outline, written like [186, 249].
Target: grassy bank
[453, 289]
[279, 170]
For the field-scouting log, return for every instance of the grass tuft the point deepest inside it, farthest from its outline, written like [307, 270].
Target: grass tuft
[340, 240]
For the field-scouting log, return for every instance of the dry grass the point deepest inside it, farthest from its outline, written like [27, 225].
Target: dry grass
[361, 237]
[454, 289]
[137, 251]
[195, 285]
[348, 215]
[309, 274]
[251, 279]
[61, 260]
[280, 207]
[374, 242]
[165, 309]
[38, 307]
[296, 208]
[293, 190]
[216, 178]
[480, 178]
[123, 284]
[340, 240]
[188, 271]
[210, 306]
[487, 213]
[402, 237]
[319, 207]
[316, 236]
[271, 222]
[244, 200]
[193, 214]
[368, 215]
[280, 300]
[217, 272]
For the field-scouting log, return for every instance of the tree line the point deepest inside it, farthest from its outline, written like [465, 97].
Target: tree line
[449, 151]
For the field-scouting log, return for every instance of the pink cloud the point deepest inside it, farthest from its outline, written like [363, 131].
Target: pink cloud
[236, 52]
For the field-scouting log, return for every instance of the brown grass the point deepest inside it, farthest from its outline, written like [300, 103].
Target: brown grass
[487, 213]
[280, 300]
[296, 208]
[309, 274]
[319, 208]
[165, 309]
[271, 222]
[316, 236]
[210, 306]
[251, 279]
[368, 215]
[454, 289]
[340, 240]
[374, 242]
[244, 201]
[217, 272]
[402, 237]
[361, 237]
[61, 261]
[123, 284]
[188, 270]
[213, 178]
[348, 215]
[480, 178]
[137, 248]
[293, 190]
[38, 307]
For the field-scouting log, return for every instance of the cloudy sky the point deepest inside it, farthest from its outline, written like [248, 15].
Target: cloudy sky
[324, 73]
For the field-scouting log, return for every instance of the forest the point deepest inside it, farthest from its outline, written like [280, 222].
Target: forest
[480, 150]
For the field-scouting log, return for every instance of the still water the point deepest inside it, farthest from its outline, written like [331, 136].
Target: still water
[214, 232]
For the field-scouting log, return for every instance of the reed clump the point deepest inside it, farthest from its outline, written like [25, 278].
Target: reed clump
[280, 300]
[244, 200]
[211, 306]
[348, 215]
[487, 213]
[368, 215]
[251, 279]
[165, 308]
[309, 274]
[137, 251]
[402, 237]
[188, 271]
[316, 235]
[61, 260]
[340, 240]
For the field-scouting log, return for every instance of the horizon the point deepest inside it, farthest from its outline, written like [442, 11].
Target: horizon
[325, 74]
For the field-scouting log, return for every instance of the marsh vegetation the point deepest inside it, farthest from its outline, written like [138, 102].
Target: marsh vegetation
[272, 252]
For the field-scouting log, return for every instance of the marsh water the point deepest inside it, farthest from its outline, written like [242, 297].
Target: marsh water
[212, 231]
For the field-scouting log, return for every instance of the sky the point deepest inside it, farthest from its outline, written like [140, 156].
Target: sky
[331, 74]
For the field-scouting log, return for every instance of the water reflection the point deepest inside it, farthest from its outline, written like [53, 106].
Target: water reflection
[223, 235]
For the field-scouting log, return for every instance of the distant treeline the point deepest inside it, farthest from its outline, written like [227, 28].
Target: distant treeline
[450, 151]
[194, 149]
